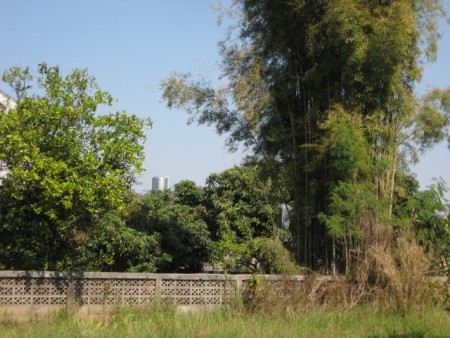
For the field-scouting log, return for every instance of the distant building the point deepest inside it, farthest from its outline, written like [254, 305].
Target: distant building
[8, 103]
[160, 183]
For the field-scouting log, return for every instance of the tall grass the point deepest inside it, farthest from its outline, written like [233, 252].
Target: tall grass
[390, 278]
[232, 322]
[398, 275]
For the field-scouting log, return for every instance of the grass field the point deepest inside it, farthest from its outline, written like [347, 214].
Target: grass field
[156, 322]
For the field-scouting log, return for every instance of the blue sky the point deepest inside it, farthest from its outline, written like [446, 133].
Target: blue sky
[130, 46]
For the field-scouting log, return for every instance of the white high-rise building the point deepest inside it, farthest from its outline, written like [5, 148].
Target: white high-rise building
[160, 183]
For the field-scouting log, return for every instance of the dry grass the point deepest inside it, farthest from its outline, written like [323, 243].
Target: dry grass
[397, 275]
[388, 278]
[288, 298]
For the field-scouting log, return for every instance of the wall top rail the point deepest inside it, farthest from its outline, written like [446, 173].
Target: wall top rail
[139, 275]
[168, 276]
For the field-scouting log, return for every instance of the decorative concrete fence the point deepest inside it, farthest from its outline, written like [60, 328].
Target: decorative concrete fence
[27, 293]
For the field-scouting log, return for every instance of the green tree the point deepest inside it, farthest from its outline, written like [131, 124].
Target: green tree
[188, 193]
[113, 246]
[18, 79]
[293, 67]
[425, 215]
[67, 165]
[242, 208]
[179, 221]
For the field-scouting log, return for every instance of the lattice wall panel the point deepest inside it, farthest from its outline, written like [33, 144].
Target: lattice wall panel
[32, 291]
[116, 291]
[196, 292]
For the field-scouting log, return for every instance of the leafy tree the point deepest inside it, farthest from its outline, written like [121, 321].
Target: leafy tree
[293, 68]
[179, 221]
[188, 193]
[425, 215]
[67, 166]
[352, 206]
[241, 202]
[242, 209]
[113, 246]
[18, 79]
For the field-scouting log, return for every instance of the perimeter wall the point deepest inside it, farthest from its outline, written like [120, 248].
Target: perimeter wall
[28, 294]
[24, 294]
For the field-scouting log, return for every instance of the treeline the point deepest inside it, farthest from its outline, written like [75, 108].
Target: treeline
[66, 201]
[230, 222]
[321, 93]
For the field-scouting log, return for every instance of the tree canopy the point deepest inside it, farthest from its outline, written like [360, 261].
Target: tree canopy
[242, 209]
[326, 90]
[67, 165]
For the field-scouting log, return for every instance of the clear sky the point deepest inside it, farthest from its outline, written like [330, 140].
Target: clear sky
[130, 46]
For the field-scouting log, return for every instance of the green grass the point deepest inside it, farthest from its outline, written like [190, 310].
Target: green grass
[157, 322]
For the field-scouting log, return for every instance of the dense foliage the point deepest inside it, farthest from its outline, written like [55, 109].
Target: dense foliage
[230, 222]
[66, 203]
[185, 240]
[325, 89]
[242, 212]
[66, 167]
[321, 93]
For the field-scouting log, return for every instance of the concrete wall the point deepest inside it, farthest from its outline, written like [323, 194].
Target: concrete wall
[24, 294]
[27, 294]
